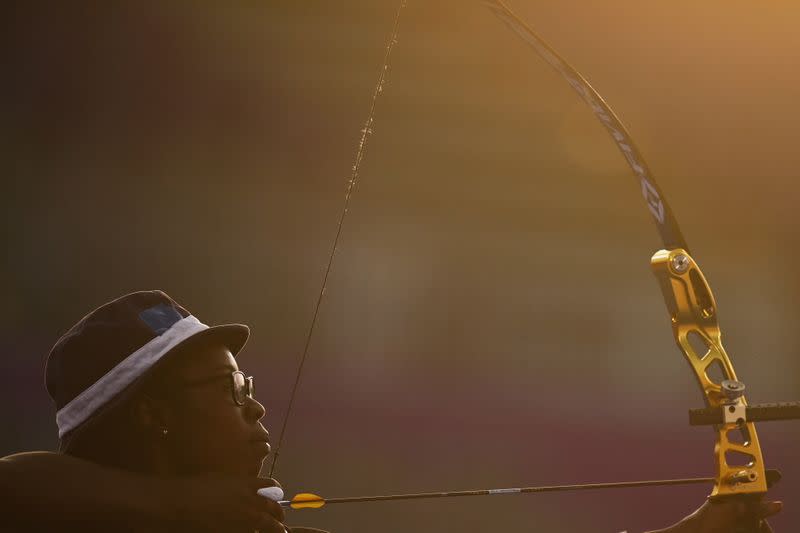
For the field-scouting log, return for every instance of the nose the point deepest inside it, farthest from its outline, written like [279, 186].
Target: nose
[254, 410]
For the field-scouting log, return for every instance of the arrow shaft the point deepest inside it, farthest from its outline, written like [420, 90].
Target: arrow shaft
[516, 490]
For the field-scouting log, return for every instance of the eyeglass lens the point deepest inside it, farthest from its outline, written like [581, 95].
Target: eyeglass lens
[242, 388]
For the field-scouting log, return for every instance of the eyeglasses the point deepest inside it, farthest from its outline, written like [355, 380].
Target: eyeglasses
[241, 387]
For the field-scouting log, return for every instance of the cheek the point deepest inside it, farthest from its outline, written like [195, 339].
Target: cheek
[212, 439]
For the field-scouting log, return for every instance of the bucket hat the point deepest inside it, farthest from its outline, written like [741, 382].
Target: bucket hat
[104, 358]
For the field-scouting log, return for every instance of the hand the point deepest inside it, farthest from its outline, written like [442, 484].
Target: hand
[223, 503]
[724, 516]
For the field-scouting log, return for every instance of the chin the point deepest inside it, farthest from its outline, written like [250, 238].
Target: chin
[258, 466]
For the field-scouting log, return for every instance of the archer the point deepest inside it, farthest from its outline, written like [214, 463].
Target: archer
[159, 431]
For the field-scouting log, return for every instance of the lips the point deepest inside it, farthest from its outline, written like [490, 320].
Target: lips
[260, 442]
[262, 446]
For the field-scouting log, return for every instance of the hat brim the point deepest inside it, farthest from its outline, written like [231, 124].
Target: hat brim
[232, 336]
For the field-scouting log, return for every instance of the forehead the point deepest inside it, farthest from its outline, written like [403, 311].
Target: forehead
[199, 361]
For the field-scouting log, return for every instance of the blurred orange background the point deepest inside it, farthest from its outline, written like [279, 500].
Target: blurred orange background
[491, 319]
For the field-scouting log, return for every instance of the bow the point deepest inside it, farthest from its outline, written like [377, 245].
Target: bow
[691, 305]
[740, 470]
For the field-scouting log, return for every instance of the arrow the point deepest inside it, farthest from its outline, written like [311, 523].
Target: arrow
[307, 500]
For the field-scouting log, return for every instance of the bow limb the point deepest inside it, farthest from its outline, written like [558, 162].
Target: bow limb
[740, 465]
[665, 220]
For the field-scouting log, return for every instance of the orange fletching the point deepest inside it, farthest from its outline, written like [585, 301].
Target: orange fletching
[305, 500]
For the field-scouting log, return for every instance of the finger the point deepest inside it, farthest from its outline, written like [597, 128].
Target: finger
[269, 525]
[258, 509]
[744, 507]
[725, 512]
[768, 509]
[273, 509]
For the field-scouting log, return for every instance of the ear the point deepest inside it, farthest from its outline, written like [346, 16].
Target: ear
[150, 414]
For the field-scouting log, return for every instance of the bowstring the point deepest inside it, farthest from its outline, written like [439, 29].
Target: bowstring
[359, 157]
